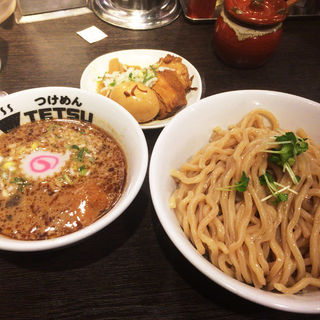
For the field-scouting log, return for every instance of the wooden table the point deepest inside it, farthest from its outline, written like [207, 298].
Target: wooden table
[131, 270]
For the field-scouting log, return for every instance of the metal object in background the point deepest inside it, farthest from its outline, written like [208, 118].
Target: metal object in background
[39, 10]
[28, 7]
[137, 14]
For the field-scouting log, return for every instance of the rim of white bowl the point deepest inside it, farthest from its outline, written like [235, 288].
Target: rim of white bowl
[123, 203]
[288, 303]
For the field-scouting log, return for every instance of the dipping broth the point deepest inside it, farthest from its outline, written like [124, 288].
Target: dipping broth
[56, 177]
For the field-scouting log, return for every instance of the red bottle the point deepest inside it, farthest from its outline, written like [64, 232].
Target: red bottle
[248, 31]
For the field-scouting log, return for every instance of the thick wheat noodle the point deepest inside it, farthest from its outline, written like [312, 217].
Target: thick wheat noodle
[271, 246]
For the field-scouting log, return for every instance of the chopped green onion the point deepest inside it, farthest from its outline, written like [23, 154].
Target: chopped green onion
[82, 170]
[21, 183]
[67, 178]
[154, 70]
[147, 79]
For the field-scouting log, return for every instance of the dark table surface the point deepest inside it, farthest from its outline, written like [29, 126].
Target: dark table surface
[131, 270]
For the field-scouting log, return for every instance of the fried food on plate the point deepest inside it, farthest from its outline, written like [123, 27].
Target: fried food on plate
[175, 63]
[164, 86]
[170, 91]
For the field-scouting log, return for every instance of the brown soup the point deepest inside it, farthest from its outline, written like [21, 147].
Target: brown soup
[56, 177]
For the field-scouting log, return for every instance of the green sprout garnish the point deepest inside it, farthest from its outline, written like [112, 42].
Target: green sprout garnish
[268, 180]
[241, 186]
[285, 157]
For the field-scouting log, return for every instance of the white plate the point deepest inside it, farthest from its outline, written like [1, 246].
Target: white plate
[143, 58]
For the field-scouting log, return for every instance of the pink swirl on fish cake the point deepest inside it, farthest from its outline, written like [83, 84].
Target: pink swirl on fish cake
[40, 164]
[43, 163]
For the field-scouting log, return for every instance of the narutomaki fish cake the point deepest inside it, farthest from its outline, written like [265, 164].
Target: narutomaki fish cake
[56, 177]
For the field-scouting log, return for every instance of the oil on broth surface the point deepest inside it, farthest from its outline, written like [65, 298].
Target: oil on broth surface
[56, 177]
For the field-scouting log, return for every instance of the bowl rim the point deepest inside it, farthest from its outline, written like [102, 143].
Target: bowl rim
[273, 300]
[9, 244]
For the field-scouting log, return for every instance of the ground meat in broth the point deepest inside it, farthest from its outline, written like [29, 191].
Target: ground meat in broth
[88, 184]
